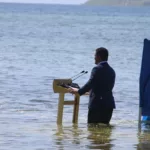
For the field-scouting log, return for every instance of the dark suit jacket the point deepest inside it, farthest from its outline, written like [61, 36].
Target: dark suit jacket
[100, 85]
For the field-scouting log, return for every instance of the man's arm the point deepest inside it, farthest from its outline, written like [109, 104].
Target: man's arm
[88, 86]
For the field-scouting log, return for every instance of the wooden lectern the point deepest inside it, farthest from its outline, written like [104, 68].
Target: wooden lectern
[62, 90]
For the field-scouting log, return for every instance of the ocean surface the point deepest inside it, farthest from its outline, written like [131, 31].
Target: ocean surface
[39, 43]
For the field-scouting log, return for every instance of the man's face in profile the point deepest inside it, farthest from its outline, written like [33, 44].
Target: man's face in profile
[97, 59]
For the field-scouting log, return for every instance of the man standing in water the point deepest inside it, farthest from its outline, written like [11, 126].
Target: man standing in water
[100, 85]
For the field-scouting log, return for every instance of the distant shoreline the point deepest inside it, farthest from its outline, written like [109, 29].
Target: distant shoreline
[118, 2]
[88, 3]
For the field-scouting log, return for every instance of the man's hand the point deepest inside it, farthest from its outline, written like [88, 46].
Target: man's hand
[73, 90]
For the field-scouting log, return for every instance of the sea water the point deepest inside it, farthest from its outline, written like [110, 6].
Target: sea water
[39, 43]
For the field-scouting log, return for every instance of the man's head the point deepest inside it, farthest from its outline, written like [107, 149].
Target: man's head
[101, 54]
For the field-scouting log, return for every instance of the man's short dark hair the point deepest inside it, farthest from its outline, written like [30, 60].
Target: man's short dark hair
[103, 53]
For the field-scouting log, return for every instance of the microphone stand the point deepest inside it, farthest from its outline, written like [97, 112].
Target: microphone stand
[74, 85]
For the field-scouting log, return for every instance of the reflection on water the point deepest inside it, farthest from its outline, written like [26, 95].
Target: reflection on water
[144, 138]
[67, 134]
[100, 137]
[93, 137]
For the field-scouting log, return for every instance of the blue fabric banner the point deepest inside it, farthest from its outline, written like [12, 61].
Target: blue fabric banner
[145, 80]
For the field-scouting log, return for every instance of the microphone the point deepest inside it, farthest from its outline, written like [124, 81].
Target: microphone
[74, 85]
[80, 75]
